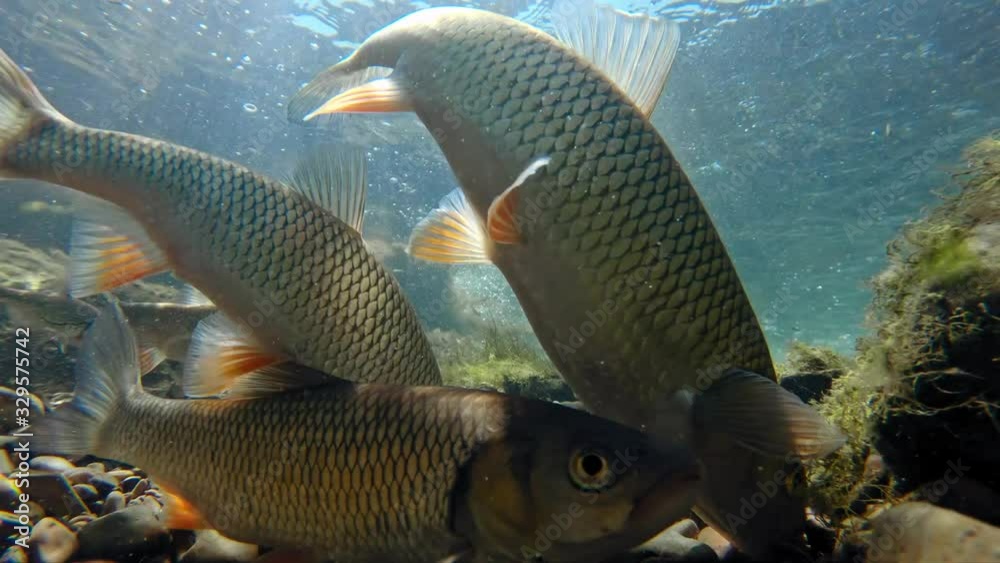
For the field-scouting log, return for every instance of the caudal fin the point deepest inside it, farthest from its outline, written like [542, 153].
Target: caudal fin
[107, 371]
[21, 103]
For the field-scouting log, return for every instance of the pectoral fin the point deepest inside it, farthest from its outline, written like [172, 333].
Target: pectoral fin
[219, 355]
[451, 234]
[501, 219]
[384, 95]
[764, 417]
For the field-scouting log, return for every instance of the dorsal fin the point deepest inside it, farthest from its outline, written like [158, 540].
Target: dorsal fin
[451, 234]
[335, 178]
[219, 355]
[636, 51]
[103, 258]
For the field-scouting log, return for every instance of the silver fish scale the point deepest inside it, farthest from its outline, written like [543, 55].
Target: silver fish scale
[621, 211]
[358, 474]
[347, 314]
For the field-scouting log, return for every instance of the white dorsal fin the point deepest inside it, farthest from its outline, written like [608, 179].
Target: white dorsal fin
[278, 379]
[335, 178]
[635, 50]
[149, 358]
[451, 234]
[191, 297]
[220, 353]
[103, 258]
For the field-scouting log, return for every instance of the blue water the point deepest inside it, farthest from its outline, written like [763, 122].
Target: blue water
[812, 130]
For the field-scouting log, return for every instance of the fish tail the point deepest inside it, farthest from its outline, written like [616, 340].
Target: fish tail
[22, 105]
[107, 374]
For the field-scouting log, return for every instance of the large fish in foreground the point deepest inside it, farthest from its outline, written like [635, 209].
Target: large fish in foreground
[573, 194]
[374, 473]
[294, 281]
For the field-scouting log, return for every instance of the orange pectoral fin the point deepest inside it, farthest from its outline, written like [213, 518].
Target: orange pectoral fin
[379, 96]
[219, 355]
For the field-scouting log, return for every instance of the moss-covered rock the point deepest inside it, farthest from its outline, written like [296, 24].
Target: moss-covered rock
[937, 334]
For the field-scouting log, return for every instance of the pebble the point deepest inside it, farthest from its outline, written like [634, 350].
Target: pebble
[80, 521]
[14, 554]
[35, 512]
[140, 489]
[8, 523]
[56, 495]
[113, 503]
[79, 475]
[51, 463]
[130, 533]
[129, 483]
[97, 467]
[6, 465]
[87, 493]
[686, 527]
[51, 542]
[212, 547]
[104, 484]
[9, 493]
[713, 539]
[919, 532]
[120, 473]
[671, 545]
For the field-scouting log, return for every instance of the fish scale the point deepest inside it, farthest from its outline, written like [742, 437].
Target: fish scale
[621, 212]
[335, 307]
[344, 485]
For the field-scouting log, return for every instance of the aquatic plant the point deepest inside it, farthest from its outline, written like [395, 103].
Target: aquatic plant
[500, 358]
[937, 332]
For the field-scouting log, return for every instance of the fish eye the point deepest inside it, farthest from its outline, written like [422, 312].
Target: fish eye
[589, 470]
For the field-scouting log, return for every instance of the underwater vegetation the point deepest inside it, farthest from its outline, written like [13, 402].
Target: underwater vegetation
[919, 402]
[499, 358]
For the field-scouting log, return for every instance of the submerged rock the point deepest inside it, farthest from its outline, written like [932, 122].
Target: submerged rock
[919, 532]
[130, 534]
[14, 554]
[54, 493]
[51, 542]
[51, 463]
[212, 547]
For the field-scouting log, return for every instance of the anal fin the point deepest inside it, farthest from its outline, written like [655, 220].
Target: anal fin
[451, 234]
[149, 358]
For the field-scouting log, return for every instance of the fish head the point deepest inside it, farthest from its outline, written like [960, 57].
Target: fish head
[565, 485]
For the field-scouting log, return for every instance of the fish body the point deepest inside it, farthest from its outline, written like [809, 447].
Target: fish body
[569, 190]
[165, 326]
[370, 472]
[294, 281]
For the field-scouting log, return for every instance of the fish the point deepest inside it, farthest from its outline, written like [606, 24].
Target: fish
[373, 472]
[163, 329]
[284, 261]
[568, 189]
